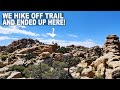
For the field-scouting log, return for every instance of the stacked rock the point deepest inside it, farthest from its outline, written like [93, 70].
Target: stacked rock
[112, 45]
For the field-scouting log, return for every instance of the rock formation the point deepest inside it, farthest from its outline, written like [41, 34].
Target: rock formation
[19, 44]
[111, 57]
[94, 62]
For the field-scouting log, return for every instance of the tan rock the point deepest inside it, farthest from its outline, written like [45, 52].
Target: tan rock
[108, 74]
[19, 62]
[75, 75]
[38, 62]
[84, 77]
[88, 72]
[4, 69]
[118, 68]
[101, 59]
[28, 62]
[100, 66]
[20, 78]
[15, 74]
[59, 57]
[28, 50]
[114, 64]
[45, 55]
[73, 69]
[82, 64]
[2, 64]
[66, 69]
[100, 70]
[68, 55]
[88, 62]
[4, 75]
[115, 58]
[47, 49]
[116, 73]
[79, 53]
[54, 47]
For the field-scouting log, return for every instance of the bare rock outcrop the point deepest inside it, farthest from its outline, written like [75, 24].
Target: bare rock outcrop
[15, 74]
[110, 58]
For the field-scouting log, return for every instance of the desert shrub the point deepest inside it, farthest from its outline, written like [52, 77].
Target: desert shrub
[57, 74]
[29, 56]
[11, 57]
[98, 77]
[73, 61]
[17, 68]
[4, 57]
[43, 71]
[98, 51]
[80, 69]
[58, 64]
[36, 71]
[63, 50]
[11, 49]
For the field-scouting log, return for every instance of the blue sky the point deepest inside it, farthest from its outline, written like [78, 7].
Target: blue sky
[88, 28]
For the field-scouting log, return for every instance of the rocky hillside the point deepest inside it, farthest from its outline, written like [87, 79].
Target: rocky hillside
[19, 44]
[32, 59]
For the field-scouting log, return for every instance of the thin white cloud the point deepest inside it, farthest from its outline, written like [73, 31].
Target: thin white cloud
[72, 35]
[87, 43]
[16, 30]
[6, 38]
[44, 35]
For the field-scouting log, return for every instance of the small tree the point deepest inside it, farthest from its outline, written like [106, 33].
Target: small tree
[80, 69]
[17, 68]
[98, 77]
[63, 50]
[57, 73]
[73, 61]
[58, 64]
[36, 71]
[29, 56]
[4, 57]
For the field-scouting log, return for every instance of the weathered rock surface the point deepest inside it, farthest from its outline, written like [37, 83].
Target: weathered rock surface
[4, 75]
[94, 62]
[19, 44]
[88, 72]
[58, 57]
[2, 64]
[110, 59]
[15, 74]
[45, 55]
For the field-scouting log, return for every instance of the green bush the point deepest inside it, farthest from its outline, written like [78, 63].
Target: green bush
[29, 56]
[57, 74]
[80, 69]
[17, 68]
[63, 50]
[73, 61]
[98, 77]
[4, 57]
[43, 71]
[36, 71]
[58, 64]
